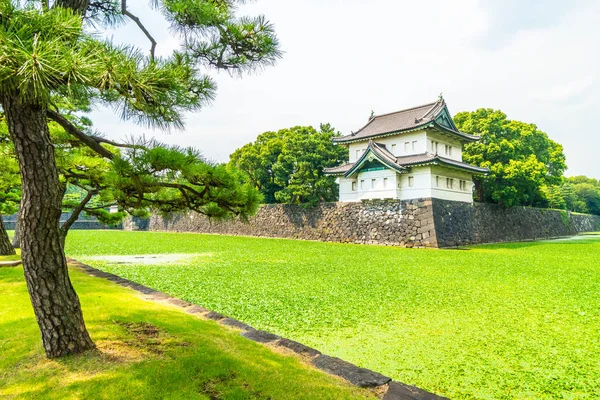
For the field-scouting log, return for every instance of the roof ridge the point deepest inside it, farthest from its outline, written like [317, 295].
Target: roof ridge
[406, 109]
[431, 112]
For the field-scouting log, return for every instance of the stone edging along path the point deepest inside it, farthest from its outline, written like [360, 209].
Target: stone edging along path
[10, 263]
[360, 377]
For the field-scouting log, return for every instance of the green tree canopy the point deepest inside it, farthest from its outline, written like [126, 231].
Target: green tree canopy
[587, 191]
[287, 165]
[522, 159]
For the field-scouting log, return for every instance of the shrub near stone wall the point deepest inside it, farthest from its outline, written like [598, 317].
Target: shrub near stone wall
[388, 222]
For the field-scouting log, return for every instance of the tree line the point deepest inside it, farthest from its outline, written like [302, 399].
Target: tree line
[526, 166]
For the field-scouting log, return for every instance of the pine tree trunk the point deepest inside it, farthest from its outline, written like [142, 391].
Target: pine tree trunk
[16, 242]
[54, 300]
[6, 248]
[79, 6]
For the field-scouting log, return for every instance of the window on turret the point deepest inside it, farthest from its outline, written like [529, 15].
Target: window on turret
[437, 181]
[448, 150]
[414, 145]
[373, 182]
[362, 184]
[354, 186]
[449, 183]
[393, 149]
[385, 183]
[406, 147]
[434, 147]
[357, 154]
[411, 181]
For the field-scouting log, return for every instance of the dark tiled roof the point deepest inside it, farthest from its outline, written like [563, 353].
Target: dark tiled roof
[403, 162]
[428, 158]
[339, 170]
[406, 120]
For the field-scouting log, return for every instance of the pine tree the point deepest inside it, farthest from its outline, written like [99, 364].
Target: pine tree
[44, 53]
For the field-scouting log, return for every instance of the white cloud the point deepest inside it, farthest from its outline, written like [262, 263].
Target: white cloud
[344, 58]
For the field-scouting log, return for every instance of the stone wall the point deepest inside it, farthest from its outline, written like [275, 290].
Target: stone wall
[84, 222]
[389, 222]
[413, 223]
[461, 223]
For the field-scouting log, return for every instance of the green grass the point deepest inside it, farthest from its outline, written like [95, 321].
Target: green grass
[11, 258]
[147, 351]
[497, 321]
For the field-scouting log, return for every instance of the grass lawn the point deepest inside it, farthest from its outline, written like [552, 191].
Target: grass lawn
[498, 321]
[147, 351]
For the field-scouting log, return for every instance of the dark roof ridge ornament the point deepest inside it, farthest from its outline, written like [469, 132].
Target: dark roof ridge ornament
[372, 117]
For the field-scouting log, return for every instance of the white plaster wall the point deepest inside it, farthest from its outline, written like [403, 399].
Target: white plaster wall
[418, 136]
[423, 144]
[444, 140]
[421, 187]
[366, 192]
[455, 194]
[424, 185]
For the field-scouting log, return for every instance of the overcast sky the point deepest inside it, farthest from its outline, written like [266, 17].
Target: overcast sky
[537, 61]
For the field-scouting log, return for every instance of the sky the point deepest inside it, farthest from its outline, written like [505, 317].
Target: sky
[537, 61]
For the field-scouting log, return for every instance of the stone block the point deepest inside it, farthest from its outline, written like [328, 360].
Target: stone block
[360, 377]
[297, 347]
[180, 303]
[195, 309]
[235, 324]
[260, 336]
[402, 391]
[215, 316]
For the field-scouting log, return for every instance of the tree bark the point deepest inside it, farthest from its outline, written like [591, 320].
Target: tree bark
[16, 242]
[6, 248]
[479, 194]
[55, 303]
[78, 6]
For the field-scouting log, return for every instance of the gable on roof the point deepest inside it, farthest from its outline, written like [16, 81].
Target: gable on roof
[375, 153]
[444, 119]
[432, 115]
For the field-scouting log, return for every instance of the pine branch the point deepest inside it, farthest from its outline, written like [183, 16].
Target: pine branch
[141, 26]
[76, 212]
[76, 132]
[100, 139]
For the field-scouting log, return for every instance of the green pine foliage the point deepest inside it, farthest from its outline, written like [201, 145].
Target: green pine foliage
[172, 179]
